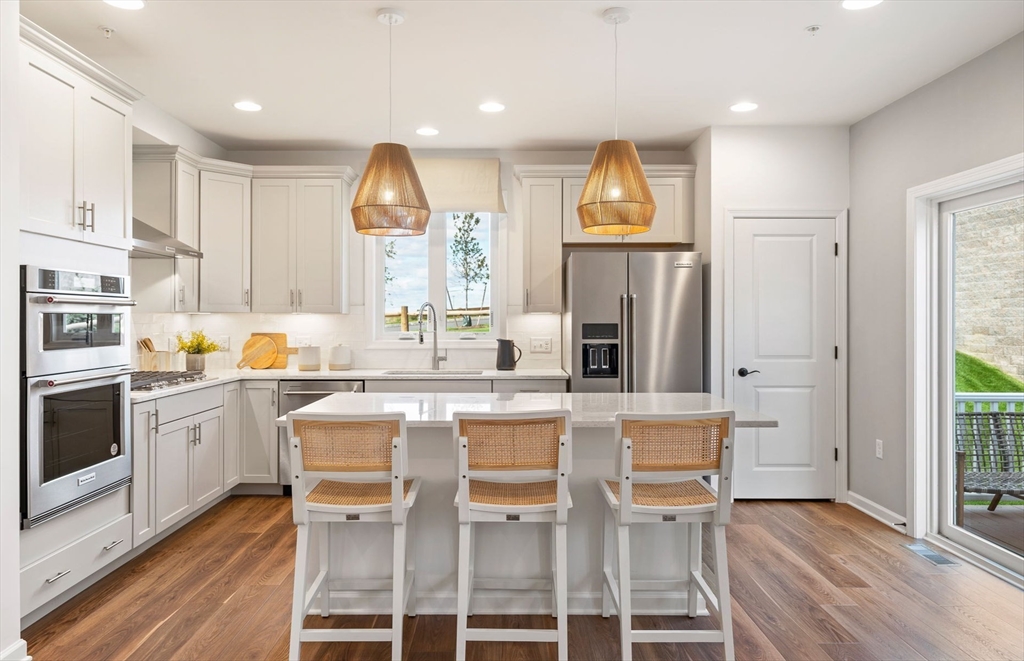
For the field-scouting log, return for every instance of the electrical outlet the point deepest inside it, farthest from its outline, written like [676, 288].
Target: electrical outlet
[878, 448]
[224, 342]
[540, 345]
[302, 341]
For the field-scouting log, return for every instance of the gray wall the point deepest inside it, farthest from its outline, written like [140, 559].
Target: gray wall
[971, 116]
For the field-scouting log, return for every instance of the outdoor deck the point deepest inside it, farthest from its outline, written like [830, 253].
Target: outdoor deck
[1005, 526]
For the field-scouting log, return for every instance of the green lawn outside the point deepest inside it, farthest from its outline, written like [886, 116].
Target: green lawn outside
[974, 375]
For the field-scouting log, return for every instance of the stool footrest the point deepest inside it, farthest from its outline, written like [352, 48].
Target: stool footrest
[676, 636]
[514, 635]
[344, 635]
[511, 583]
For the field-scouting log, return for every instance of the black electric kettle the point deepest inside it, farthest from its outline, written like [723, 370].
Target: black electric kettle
[507, 358]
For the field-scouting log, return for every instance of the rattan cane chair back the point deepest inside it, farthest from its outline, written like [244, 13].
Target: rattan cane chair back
[512, 444]
[338, 446]
[676, 445]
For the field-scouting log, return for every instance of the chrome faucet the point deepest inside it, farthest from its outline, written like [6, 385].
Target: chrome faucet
[435, 363]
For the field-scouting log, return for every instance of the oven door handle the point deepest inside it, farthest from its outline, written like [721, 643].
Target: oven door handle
[53, 383]
[84, 300]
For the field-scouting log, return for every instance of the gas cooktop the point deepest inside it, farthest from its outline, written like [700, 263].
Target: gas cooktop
[159, 380]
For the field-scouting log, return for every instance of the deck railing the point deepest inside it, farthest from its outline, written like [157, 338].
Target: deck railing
[979, 402]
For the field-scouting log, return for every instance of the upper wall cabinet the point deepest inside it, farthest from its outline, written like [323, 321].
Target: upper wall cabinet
[542, 244]
[76, 144]
[225, 239]
[300, 242]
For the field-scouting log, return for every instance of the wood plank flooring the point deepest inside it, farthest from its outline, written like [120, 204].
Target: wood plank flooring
[809, 581]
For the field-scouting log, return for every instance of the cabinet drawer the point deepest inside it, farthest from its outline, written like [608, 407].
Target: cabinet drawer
[45, 539]
[180, 406]
[74, 563]
[529, 385]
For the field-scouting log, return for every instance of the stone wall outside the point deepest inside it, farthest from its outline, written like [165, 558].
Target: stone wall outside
[989, 298]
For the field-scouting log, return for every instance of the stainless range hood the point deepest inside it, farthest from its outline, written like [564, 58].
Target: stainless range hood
[148, 241]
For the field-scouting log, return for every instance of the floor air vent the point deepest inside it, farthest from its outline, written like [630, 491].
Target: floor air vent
[930, 555]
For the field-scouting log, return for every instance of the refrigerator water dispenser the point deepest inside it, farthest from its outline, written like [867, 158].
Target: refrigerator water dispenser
[601, 361]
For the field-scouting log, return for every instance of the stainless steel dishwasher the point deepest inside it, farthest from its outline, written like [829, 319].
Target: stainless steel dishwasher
[295, 395]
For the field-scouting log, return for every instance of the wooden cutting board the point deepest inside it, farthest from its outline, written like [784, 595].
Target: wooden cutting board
[280, 340]
[258, 353]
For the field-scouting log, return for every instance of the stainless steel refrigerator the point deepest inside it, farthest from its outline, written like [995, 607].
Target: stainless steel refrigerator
[632, 322]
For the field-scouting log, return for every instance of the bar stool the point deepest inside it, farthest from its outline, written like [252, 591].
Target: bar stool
[660, 461]
[513, 467]
[350, 469]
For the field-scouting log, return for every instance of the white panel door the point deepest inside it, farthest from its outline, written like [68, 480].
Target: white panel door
[186, 229]
[207, 451]
[259, 432]
[225, 213]
[49, 195]
[173, 474]
[105, 124]
[273, 245]
[320, 245]
[784, 334]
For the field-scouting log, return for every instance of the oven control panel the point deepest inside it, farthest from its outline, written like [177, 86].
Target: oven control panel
[78, 282]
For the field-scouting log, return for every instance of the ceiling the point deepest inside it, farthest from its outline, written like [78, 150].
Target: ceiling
[320, 68]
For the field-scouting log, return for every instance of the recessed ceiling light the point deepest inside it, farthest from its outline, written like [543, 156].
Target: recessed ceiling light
[248, 106]
[426, 130]
[854, 5]
[492, 106]
[126, 4]
[743, 106]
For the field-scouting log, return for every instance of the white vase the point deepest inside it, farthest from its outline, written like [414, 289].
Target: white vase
[195, 362]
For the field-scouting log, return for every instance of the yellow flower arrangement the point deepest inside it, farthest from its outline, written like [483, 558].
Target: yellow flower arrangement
[196, 342]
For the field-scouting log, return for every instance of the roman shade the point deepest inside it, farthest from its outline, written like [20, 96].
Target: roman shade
[462, 184]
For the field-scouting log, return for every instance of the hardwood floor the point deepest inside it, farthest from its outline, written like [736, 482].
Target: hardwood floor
[809, 581]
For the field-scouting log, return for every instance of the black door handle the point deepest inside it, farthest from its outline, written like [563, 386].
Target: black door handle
[743, 371]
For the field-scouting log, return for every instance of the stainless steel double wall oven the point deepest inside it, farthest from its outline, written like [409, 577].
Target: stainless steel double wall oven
[75, 385]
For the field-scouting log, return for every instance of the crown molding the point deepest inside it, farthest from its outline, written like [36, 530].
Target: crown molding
[225, 167]
[520, 171]
[44, 41]
[343, 172]
[163, 153]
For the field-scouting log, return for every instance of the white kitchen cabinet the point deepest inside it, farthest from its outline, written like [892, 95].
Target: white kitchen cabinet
[172, 500]
[207, 457]
[225, 211]
[186, 230]
[542, 244]
[259, 432]
[143, 488]
[75, 144]
[298, 245]
[528, 385]
[427, 385]
[673, 220]
[232, 439]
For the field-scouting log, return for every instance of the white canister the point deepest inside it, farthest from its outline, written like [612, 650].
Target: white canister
[309, 359]
[340, 358]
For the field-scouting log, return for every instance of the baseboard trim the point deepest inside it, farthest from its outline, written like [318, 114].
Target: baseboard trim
[16, 651]
[877, 512]
[979, 561]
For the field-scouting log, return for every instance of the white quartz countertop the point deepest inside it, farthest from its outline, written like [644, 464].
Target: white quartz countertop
[217, 377]
[588, 409]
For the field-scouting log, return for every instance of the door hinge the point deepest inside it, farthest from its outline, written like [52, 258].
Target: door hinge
[837, 454]
[837, 249]
[837, 352]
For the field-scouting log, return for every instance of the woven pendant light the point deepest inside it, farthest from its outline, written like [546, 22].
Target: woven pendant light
[616, 197]
[390, 199]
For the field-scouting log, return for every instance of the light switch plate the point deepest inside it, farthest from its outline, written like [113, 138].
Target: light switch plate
[224, 342]
[878, 448]
[540, 345]
[302, 340]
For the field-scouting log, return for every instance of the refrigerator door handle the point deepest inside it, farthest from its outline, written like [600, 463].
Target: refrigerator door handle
[632, 343]
[624, 346]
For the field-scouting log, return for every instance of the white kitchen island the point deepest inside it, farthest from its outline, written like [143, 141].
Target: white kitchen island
[659, 552]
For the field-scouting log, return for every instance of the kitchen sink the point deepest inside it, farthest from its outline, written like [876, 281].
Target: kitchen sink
[434, 372]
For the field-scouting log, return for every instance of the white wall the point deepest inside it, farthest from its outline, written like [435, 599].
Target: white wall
[169, 130]
[764, 168]
[11, 645]
[699, 153]
[971, 116]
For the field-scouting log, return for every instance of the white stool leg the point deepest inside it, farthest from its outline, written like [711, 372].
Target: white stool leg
[398, 593]
[554, 570]
[724, 600]
[410, 562]
[562, 590]
[693, 532]
[299, 593]
[608, 533]
[472, 569]
[463, 598]
[325, 566]
[625, 607]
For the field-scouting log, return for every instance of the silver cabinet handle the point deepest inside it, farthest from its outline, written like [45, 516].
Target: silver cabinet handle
[273, 397]
[112, 545]
[181, 295]
[246, 296]
[291, 297]
[300, 299]
[199, 433]
[59, 576]
[527, 297]
[92, 216]
[82, 208]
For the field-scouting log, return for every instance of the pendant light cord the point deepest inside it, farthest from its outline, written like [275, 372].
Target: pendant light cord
[616, 77]
[390, 76]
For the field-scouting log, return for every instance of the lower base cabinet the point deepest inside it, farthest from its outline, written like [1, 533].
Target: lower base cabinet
[259, 432]
[189, 465]
[232, 436]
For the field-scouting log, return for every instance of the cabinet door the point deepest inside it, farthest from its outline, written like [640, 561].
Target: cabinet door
[320, 240]
[572, 188]
[49, 190]
[673, 220]
[143, 472]
[259, 432]
[186, 229]
[542, 244]
[231, 436]
[224, 238]
[173, 456]
[207, 457]
[273, 245]
[105, 124]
